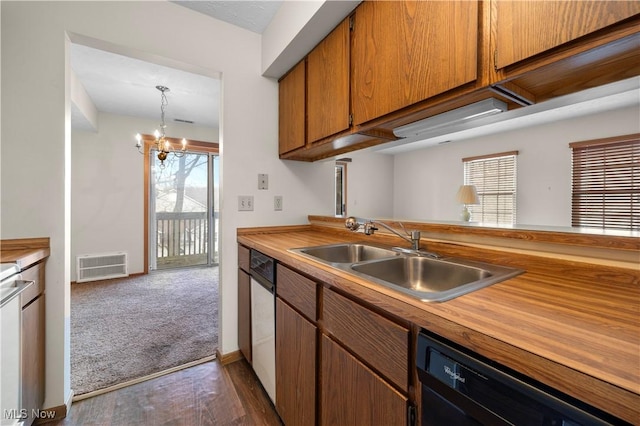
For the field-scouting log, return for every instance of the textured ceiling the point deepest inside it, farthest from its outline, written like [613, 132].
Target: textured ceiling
[251, 15]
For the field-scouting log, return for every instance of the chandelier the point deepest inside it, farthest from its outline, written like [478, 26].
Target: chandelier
[162, 144]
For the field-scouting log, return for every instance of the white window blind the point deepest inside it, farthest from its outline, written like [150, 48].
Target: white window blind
[606, 183]
[494, 177]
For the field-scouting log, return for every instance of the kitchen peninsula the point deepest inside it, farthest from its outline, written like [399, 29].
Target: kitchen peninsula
[570, 321]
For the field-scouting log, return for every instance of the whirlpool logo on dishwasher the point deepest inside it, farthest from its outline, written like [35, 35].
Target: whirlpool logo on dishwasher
[453, 374]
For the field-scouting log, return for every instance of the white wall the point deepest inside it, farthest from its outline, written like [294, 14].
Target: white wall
[426, 180]
[107, 195]
[370, 185]
[36, 137]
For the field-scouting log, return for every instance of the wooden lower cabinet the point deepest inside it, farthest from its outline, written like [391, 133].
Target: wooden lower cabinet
[353, 394]
[244, 314]
[295, 366]
[33, 343]
[381, 343]
[33, 326]
[366, 384]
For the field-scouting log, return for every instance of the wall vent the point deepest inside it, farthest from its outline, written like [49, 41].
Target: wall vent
[93, 267]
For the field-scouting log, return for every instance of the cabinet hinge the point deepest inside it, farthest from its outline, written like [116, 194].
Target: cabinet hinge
[350, 119]
[411, 415]
[351, 23]
[495, 59]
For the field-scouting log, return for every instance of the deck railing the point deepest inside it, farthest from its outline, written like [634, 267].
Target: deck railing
[181, 238]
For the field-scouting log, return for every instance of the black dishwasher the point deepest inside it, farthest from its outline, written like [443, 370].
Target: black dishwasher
[462, 388]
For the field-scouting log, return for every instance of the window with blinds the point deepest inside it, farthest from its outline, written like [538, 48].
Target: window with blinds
[494, 177]
[606, 183]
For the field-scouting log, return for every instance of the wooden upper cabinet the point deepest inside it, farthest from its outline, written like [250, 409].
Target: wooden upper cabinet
[526, 28]
[292, 107]
[404, 52]
[328, 85]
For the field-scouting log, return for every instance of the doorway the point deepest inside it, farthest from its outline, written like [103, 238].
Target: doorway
[112, 215]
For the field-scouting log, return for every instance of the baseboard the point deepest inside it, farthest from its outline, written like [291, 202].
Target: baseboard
[137, 274]
[144, 378]
[59, 412]
[229, 358]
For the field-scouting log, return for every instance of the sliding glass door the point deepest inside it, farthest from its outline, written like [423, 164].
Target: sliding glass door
[183, 211]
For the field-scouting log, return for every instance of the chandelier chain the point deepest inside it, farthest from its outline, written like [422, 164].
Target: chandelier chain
[163, 146]
[164, 102]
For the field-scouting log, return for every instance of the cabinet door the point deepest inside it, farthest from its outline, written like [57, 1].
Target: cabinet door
[328, 85]
[352, 394]
[244, 314]
[525, 28]
[406, 51]
[295, 367]
[33, 341]
[292, 107]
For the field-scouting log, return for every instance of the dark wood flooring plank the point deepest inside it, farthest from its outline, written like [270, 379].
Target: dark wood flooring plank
[260, 410]
[207, 394]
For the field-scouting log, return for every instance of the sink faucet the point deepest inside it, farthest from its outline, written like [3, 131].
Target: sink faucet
[369, 228]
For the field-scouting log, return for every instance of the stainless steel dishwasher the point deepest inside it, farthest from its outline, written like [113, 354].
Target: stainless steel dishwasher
[463, 388]
[263, 315]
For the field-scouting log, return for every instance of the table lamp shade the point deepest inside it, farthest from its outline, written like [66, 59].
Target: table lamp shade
[467, 194]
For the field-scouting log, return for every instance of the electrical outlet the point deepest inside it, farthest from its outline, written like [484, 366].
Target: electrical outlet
[277, 202]
[245, 203]
[263, 181]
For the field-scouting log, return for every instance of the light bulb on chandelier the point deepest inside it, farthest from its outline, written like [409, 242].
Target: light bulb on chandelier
[162, 144]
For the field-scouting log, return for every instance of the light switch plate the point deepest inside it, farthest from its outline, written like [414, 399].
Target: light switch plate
[263, 181]
[245, 203]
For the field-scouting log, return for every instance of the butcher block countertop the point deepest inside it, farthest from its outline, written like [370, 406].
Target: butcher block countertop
[24, 252]
[573, 325]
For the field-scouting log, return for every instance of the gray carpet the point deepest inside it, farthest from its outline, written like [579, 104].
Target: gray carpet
[128, 328]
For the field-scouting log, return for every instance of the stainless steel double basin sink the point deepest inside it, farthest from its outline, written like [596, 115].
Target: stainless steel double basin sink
[416, 274]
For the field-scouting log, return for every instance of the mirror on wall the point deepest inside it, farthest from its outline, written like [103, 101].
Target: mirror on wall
[425, 180]
[341, 188]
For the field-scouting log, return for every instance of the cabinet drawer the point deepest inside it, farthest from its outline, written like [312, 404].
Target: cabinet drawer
[244, 261]
[33, 273]
[383, 344]
[298, 291]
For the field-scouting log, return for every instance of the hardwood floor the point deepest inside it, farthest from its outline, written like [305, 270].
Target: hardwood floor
[207, 394]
